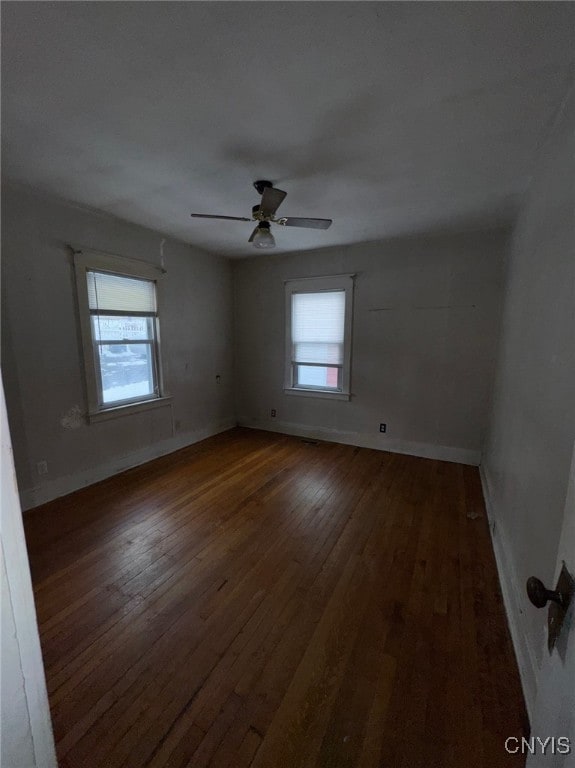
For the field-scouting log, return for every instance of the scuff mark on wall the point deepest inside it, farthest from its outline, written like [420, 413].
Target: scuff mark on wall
[73, 419]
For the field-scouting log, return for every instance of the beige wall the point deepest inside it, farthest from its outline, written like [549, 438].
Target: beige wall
[425, 324]
[41, 348]
[532, 426]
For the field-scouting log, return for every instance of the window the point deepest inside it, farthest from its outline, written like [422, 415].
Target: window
[318, 336]
[120, 330]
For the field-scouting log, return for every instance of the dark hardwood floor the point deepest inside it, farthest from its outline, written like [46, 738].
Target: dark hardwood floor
[257, 600]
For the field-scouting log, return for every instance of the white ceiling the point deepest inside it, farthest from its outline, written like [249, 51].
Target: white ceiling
[390, 118]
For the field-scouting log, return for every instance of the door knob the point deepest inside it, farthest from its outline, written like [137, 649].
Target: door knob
[540, 595]
[559, 599]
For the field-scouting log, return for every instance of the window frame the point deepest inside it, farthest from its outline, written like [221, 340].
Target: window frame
[87, 260]
[319, 285]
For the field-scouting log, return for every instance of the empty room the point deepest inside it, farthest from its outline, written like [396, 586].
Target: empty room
[288, 376]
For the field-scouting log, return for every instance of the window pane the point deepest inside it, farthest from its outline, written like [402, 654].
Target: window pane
[318, 321]
[308, 352]
[318, 316]
[124, 328]
[127, 371]
[316, 376]
[129, 294]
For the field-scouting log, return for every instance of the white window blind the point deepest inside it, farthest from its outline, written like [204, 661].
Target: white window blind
[318, 327]
[108, 292]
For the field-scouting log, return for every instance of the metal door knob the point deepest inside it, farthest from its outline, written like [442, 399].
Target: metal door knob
[540, 595]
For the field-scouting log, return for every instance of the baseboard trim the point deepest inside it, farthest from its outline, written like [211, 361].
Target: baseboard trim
[513, 599]
[62, 486]
[378, 442]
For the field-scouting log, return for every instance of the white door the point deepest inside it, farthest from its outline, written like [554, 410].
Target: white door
[555, 705]
[26, 733]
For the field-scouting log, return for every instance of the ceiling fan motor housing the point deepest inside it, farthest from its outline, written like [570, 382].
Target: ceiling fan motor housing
[261, 185]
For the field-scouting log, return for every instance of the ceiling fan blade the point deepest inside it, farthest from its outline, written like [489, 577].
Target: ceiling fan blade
[210, 216]
[291, 221]
[253, 234]
[272, 198]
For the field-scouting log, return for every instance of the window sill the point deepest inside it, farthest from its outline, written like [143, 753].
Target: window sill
[323, 393]
[124, 410]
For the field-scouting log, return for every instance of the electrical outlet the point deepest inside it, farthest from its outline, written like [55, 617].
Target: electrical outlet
[273, 413]
[383, 427]
[42, 467]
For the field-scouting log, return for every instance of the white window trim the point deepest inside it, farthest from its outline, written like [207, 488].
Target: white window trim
[87, 259]
[317, 285]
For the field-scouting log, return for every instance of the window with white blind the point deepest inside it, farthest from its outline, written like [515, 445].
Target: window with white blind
[118, 300]
[318, 336]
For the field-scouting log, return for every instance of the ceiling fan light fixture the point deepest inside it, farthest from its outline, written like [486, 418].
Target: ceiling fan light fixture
[264, 213]
[263, 238]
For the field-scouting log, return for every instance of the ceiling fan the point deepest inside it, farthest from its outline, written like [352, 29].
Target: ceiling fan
[264, 214]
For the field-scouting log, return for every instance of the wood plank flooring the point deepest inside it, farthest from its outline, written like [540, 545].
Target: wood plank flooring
[257, 600]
